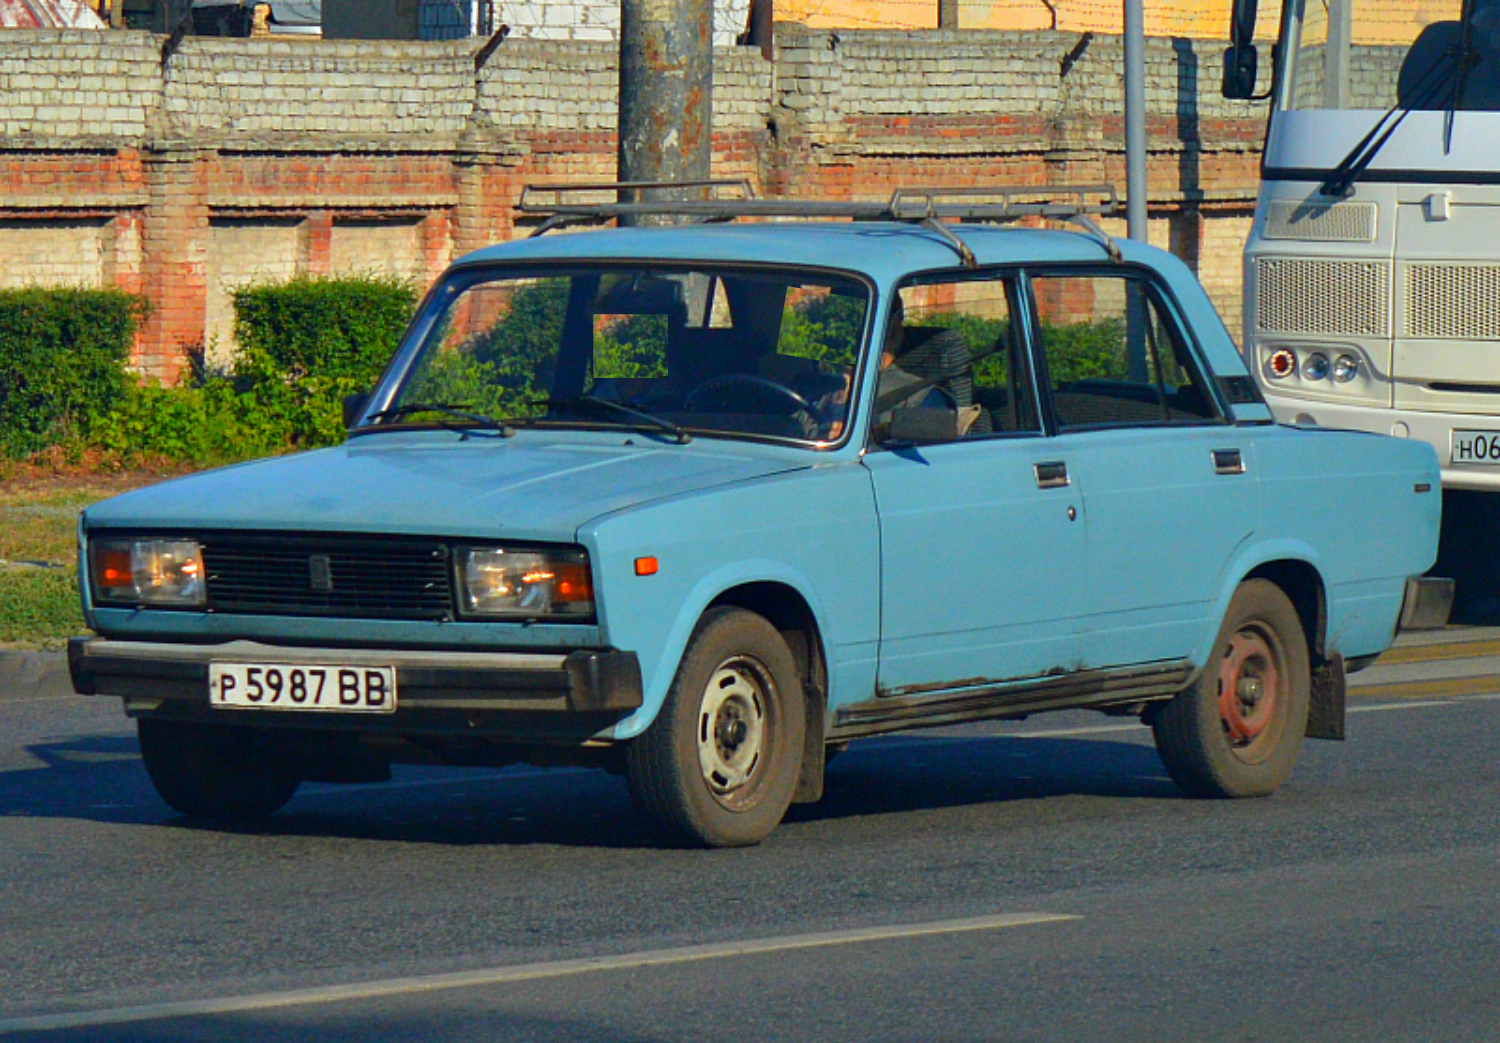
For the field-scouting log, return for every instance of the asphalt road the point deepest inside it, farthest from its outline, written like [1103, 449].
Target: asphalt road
[1033, 881]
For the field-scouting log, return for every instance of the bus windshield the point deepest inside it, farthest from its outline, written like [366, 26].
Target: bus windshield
[1418, 55]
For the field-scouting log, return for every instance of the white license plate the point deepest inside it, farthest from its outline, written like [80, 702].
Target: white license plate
[1476, 447]
[288, 686]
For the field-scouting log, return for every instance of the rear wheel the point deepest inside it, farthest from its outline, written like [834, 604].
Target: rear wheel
[216, 771]
[721, 760]
[1236, 732]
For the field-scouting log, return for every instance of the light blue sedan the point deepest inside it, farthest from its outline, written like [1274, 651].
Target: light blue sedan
[701, 504]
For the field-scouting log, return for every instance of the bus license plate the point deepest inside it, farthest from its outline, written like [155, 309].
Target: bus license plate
[287, 686]
[1476, 447]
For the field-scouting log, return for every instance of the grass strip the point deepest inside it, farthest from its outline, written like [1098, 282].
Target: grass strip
[39, 606]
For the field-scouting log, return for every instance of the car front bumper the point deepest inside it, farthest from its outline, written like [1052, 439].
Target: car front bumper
[524, 696]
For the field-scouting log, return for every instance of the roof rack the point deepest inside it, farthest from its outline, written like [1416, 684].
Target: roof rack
[929, 207]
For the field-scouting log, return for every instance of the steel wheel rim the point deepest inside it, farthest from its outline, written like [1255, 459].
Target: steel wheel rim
[1252, 701]
[734, 726]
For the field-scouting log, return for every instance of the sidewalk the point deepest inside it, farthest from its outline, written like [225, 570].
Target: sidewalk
[33, 675]
[1459, 660]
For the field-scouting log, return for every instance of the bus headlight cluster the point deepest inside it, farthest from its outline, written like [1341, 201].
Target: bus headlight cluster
[1284, 363]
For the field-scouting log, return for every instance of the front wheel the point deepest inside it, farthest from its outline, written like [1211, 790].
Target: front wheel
[1237, 730]
[720, 762]
[216, 771]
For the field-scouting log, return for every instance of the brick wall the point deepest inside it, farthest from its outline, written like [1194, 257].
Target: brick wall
[243, 160]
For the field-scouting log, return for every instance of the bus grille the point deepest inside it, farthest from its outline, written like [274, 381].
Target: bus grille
[354, 576]
[1308, 222]
[1332, 298]
[1453, 302]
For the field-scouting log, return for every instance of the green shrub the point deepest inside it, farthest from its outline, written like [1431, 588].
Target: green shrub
[1085, 350]
[207, 424]
[63, 354]
[305, 344]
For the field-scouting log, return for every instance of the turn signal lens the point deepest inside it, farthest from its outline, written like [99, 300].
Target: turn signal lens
[1282, 363]
[1345, 368]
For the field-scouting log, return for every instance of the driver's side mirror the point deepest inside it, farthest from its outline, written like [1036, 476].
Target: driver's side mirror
[354, 408]
[920, 425]
[1241, 62]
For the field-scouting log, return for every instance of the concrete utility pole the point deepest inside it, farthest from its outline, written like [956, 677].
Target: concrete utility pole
[947, 14]
[1135, 119]
[666, 91]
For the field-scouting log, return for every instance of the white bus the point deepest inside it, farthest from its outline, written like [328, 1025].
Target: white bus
[1372, 273]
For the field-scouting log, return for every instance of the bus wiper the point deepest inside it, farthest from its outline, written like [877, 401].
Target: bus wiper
[1340, 180]
[1467, 59]
[594, 401]
[448, 409]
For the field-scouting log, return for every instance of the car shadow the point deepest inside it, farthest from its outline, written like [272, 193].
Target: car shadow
[910, 774]
[101, 779]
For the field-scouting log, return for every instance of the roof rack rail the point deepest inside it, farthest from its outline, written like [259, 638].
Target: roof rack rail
[926, 206]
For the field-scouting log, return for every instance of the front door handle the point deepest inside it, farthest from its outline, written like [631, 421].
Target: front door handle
[1052, 475]
[1228, 461]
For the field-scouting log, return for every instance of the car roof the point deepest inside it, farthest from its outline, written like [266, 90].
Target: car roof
[884, 251]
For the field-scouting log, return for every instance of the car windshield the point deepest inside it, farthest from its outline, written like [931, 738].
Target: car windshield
[674, 351]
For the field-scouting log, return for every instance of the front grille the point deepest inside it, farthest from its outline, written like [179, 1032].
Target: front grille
[353, 576]
[1453, 301]
[1335, 298]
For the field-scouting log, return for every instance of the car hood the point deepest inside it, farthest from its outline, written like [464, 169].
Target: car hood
[534, 486]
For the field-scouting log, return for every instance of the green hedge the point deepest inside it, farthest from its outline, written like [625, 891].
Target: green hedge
[63, 355]
[307, 343]
[303, 346]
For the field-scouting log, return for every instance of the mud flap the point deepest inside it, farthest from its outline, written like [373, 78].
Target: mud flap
[1325, 713]
[810, 779]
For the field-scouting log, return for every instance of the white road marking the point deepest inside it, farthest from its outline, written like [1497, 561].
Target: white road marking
[1410, 705]
[524, 972]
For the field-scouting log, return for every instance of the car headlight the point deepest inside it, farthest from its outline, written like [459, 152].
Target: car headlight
[149, 572]
[500, 583]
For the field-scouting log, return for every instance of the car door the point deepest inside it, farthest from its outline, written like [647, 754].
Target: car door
[982, 544]
[1168, 483]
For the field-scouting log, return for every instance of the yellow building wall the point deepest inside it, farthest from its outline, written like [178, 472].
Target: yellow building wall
[1205, 19]
[1376, 21]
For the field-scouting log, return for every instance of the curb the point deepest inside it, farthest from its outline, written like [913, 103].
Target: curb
[34, 675]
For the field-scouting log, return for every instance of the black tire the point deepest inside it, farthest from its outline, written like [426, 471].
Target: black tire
[720, 762]
[1237, 730]
[216, 771]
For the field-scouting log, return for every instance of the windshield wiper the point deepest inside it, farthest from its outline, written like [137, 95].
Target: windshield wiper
[1467, 59]
[1447, 70]
[661, 423]
[448, 409]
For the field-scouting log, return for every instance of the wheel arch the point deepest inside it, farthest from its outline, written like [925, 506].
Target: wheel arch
[1303, 585]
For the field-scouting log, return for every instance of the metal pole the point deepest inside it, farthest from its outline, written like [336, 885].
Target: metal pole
[1135, 119]
[1336, 56]
[666, 91]
[947, 14]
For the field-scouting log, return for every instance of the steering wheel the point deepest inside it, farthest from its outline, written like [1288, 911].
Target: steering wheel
[747, 393]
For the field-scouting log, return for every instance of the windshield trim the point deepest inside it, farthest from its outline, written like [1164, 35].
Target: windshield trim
[463, 275]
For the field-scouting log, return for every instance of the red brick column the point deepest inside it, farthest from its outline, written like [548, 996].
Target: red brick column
[435, 232]
[317, 231]
[174, 245]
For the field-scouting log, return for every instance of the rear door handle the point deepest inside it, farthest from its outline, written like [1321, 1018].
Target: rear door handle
[1052, 475]
[1228, 461]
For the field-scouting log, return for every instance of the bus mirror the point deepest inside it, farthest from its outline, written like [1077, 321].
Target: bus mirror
[1239, 71]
